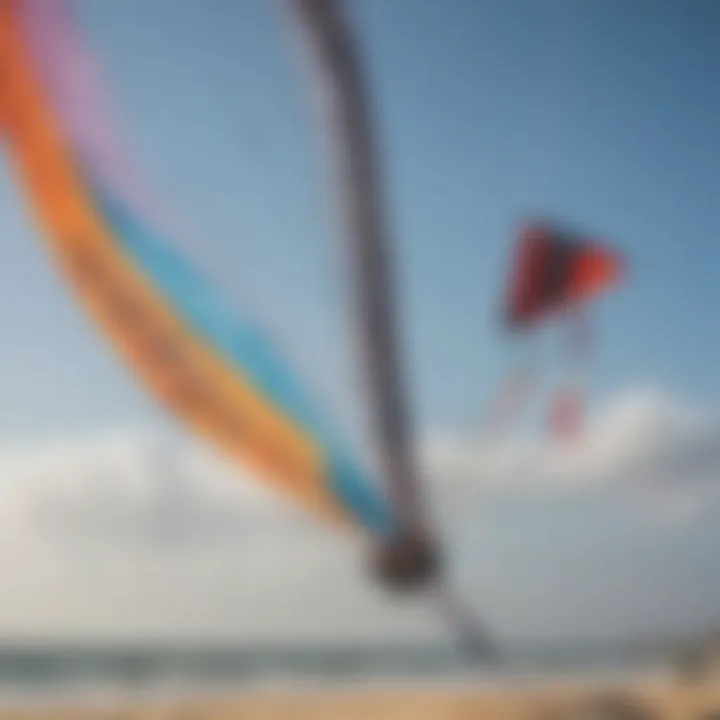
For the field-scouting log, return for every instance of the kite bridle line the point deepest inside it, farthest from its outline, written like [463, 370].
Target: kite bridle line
[568, 406]
[337, 75]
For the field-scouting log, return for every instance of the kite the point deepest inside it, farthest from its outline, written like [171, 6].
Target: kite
[204, 361]
[555, 274]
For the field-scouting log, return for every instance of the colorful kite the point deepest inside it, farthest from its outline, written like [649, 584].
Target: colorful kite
[209, 366]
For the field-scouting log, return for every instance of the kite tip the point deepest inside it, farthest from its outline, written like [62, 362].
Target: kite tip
[406, 563]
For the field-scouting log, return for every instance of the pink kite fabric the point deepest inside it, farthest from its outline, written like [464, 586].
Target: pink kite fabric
[74, 85]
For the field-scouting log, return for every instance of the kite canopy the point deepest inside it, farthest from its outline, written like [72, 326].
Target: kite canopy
[554, 272]
[208, 365]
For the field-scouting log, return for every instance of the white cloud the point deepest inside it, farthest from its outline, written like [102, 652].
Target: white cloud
[127, 534]
[644, 437]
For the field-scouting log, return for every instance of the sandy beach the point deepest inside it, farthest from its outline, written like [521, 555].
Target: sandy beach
[638, 699]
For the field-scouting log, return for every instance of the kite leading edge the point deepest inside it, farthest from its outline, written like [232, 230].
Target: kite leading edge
[410, 559]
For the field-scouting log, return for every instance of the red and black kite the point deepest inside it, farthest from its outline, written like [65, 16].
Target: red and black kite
[554, 274]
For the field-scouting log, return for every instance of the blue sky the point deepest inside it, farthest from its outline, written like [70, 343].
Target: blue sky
[604, 114]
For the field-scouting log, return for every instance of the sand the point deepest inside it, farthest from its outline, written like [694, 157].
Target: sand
[640, 699]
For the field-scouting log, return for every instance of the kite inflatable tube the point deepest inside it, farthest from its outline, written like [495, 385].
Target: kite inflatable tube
[211, 368]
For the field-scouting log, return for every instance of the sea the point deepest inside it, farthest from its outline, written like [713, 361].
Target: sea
[38, 670]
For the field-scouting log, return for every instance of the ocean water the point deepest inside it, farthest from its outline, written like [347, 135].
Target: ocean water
[48, 670]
